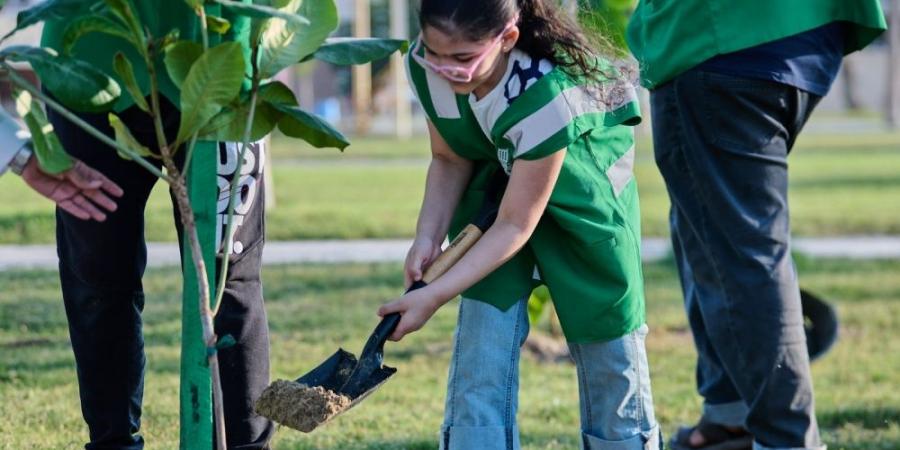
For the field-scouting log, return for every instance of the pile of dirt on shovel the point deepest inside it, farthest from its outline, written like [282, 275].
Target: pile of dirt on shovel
[298, 406]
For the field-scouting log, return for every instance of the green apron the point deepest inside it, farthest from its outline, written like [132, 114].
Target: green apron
[586, 248]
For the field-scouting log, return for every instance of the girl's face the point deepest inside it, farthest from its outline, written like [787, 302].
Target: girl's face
[468, 65]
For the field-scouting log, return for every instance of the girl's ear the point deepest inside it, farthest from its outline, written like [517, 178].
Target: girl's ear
[510, 38]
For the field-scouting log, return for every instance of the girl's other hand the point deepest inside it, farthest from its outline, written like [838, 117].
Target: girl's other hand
[421, 254]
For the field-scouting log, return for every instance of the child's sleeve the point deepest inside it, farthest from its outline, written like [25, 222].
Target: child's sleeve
[564, 113]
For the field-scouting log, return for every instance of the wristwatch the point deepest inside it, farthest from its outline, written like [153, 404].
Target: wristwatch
[15, 147]
[18, 163]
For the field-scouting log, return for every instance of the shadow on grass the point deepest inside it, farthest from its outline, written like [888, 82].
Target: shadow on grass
[406, 444]
[24, 369]
[534, 440]
[32, 227]
[848, 182]
[861, 428]
[869, 419]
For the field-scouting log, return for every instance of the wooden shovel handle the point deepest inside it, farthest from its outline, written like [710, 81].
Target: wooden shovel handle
[453, 253]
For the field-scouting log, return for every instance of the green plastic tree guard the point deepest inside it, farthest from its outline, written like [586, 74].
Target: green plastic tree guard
[196, 389]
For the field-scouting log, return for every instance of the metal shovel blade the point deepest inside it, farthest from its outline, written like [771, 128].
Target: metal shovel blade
[820, 324]
[335, 371]
[334, 386]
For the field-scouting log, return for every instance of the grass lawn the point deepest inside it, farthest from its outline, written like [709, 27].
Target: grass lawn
[315, 309]
[839, 185]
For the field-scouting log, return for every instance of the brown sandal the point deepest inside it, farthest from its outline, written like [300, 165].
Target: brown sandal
[717, 438]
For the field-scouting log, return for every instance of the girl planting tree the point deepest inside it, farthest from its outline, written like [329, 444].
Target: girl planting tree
[510, 85]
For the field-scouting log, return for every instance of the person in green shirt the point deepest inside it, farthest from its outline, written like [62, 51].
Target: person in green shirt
[512, 87]
[101, 264]
[732, 84]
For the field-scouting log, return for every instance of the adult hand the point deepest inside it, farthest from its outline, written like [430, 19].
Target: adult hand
[81, 191]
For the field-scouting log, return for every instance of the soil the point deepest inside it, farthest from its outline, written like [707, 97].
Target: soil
[298, 406]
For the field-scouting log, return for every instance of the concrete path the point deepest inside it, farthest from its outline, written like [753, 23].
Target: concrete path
[394, 250]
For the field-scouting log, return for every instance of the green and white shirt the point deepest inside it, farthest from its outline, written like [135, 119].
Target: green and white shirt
[586, 247]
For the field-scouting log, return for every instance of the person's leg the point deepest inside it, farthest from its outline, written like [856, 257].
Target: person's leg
[725, 167]
[245, 366]
[100, 266]
[724, 412]
[483, 386]
[615, 395]
[722, 403]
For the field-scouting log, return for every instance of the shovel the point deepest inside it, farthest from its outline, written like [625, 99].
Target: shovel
[343, 380]
[820, 324]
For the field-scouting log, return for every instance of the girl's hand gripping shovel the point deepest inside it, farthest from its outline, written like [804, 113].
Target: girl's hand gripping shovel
[342, 380]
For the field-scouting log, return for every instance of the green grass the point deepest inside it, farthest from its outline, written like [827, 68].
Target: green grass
[375, 147]
[845, 184]
[315, 309]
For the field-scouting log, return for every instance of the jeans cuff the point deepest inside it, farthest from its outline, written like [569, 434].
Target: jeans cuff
[482, 438]
[732, 414]
[758, 446]
[649, 440]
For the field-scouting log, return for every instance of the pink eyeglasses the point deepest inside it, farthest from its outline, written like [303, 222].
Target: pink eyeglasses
[459, 74]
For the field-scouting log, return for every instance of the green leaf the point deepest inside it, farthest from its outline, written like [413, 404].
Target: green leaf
[194, 4]
[92, 24]
[125, 70]
[229, 125]
[283, 44]
[169, 39]
[309, 127]
[217, 25]
[47, 148]
[214, 80]
[258, 11]
[75, 83]
[276, 92]
[123, 10]
[52, 9]
[127, 140]
[180, 56]
[537, 304]
[351, 51]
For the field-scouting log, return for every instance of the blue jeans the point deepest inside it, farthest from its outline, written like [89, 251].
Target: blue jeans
[482, 393]
[721, 144]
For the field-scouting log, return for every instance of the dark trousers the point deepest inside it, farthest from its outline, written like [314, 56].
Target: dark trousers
[722, 144]
[101, 265]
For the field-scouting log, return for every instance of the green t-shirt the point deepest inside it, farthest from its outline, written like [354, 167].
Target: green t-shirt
[160, 17]
[586, 247]
[669, 37]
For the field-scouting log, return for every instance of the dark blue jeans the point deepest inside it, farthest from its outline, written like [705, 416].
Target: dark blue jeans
[722, 144]
[101, 265]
